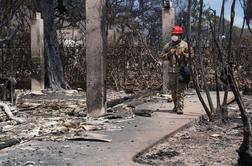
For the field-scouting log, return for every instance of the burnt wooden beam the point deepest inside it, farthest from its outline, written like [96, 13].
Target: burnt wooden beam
[7, 89]
[9, 143]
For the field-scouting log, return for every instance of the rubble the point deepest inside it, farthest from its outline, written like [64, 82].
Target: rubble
[8, 143]
[62, 116]
[59, 116]
[7, 109]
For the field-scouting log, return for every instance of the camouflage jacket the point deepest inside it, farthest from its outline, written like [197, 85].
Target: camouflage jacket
[177, 55]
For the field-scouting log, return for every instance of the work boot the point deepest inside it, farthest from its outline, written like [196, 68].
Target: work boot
[179, 112]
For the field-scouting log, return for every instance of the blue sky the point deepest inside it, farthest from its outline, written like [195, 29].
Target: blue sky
[216, 4]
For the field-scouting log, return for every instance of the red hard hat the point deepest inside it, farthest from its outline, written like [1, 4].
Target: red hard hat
[177, 30]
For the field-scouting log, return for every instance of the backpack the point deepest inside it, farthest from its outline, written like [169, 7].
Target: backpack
[185, 74]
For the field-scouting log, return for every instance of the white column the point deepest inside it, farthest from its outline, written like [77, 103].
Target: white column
[37, 54]
[168, 21]
[95, 53]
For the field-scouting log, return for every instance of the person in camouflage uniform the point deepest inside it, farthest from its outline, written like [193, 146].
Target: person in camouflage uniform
[176, 52]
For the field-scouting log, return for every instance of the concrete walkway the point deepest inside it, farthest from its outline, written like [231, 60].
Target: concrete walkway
[137, 134]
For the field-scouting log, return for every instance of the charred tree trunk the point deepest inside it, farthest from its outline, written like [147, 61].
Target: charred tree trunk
[229, 55]
[218, 106]
[221, 30]
[203, 71]
[221, 19]
[245, 150]
[54, 68]
[196, 85]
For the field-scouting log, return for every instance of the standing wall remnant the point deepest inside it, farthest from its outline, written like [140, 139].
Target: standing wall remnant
[168, 21]
[95, 55]
[37, 54]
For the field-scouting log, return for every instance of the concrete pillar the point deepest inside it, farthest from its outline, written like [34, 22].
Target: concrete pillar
[95, 55]
[168, 21]
[165, 77]
[37, 54]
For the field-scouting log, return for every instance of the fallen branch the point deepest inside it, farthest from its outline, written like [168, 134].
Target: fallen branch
[8, 112]
[29, 163]
[231, 101]
[9, 143]
[143, 112]
[89, 139]
[141, 94]
[112, 116]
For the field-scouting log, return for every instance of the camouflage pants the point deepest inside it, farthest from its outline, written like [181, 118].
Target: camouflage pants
[177, 90]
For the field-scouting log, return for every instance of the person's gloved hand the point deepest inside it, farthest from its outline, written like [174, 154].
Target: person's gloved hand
[169, 54]
[172, 51]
